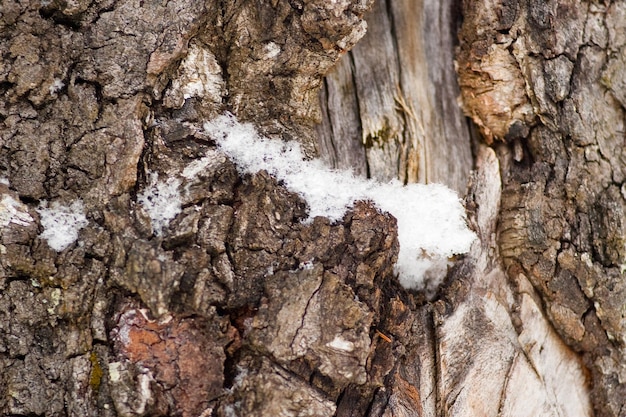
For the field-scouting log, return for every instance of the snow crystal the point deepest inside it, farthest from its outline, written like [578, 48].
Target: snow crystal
[61, 223]
[271, 50]
[431, 218]
[306, 266]
[338, 343]
[162, 201]
[56, 86]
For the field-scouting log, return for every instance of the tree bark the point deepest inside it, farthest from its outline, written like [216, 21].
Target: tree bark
[228, 304]
[544, 80]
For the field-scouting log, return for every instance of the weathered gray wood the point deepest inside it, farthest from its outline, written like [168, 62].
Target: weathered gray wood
[406, 98]
[339, 93]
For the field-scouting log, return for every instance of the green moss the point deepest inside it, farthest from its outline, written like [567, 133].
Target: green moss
[378, 138]
[96, 372]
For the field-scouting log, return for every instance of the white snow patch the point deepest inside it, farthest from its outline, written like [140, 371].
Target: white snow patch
[271, 50]
[13, 211]
[56, 86]
[5, 181]
[306, 266]
[431, 218]
[162, 201]
[61, 223]
[339, 343]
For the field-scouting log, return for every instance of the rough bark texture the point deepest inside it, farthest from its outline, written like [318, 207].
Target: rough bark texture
[102, 101]
[546, 80]
[236, 307]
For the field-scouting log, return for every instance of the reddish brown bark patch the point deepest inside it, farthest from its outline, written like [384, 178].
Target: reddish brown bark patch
[184, 355]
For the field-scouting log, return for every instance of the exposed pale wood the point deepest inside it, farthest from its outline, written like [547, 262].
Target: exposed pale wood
[405, 111]
[497, 353]
[544, 79]
[348, 153]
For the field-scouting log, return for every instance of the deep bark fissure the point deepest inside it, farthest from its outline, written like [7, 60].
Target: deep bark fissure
[330, 121]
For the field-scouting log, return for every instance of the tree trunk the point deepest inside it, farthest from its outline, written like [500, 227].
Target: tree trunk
[141, 273]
